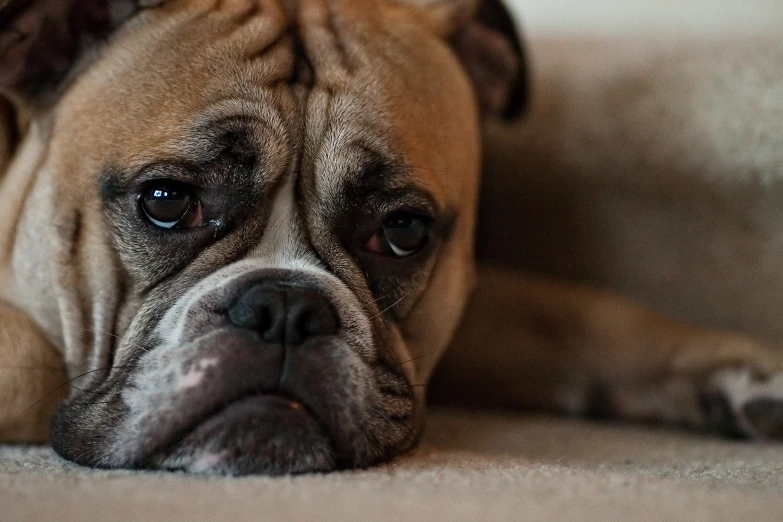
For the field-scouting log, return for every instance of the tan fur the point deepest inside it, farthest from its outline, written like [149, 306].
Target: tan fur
[31, 379]
[548, 344]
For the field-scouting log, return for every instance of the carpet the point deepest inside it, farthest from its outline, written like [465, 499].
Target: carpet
[472, 465]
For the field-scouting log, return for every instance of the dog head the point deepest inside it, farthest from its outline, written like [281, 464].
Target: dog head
[247, 223]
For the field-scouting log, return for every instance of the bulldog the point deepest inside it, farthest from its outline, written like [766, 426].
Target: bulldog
[239, 237]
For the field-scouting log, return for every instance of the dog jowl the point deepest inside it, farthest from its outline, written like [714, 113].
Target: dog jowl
[246, 224]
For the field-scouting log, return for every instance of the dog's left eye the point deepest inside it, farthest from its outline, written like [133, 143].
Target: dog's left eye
[171, 206]
[402, 235]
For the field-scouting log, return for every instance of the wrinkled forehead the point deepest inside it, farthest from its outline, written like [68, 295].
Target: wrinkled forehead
[321, 81]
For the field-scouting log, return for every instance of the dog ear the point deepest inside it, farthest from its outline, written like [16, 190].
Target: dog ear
[40, 40]
[491, 50]
[486, 39]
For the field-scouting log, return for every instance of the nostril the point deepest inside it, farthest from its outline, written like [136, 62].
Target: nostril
[264, 323]
[323, 323]
[259, 309]
[307, 324]
[284, 314]
[242, 314]
[264, 317]
[309, 315]
[311, 325]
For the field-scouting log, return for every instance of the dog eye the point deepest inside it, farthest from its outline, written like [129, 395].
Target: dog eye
[171, 206]
[402, 235]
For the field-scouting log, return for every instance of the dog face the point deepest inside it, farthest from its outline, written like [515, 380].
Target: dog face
[249, 224]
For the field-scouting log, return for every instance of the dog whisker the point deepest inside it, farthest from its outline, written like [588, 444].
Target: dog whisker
[395, 303]
[388, 419]
[33, 457]
[68, 383]
[115, 336]
[414, 359]
[97, 393]
[370, 303]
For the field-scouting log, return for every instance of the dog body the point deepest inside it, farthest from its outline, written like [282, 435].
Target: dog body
[247, 228]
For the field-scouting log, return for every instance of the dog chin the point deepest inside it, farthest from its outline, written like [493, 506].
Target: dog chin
[227, 404]
[261, 434]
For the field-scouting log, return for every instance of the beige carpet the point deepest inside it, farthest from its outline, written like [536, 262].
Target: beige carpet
[472, 466]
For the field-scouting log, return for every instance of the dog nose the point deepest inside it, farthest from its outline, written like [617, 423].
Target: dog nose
[284, 314]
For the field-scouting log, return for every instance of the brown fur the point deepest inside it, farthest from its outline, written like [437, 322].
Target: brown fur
[31, 378]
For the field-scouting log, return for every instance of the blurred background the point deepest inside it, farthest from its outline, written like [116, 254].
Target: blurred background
[668, 16]
[651, 159]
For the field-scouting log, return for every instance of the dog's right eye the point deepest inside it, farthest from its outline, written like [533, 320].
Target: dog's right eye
[402, 235]
[171, 206]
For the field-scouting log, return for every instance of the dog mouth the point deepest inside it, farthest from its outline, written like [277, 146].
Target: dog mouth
[229, 404]
[266, 433]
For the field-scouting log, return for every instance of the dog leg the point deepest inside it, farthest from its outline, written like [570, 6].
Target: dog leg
[31, 379]
[533, 343]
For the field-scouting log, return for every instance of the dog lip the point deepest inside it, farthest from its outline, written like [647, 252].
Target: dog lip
[273, 396]
[265, 403]
[162, 427]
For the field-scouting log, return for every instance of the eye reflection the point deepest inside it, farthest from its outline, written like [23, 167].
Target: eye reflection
[403, 234]
[171, 206]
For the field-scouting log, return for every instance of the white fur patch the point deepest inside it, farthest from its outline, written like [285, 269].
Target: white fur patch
[283, 244]
[739, 388]
[206, 462]
[194, 377]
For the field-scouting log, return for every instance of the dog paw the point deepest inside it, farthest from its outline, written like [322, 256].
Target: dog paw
[737, 404]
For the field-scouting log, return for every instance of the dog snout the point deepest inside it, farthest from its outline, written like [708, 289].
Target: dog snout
[284, 314]
[257, 371]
